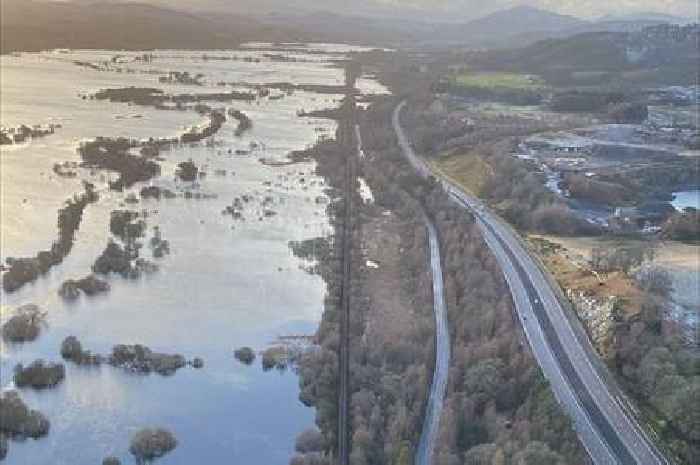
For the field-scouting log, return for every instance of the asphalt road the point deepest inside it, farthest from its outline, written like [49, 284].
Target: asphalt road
[608, 431]
[438, 386]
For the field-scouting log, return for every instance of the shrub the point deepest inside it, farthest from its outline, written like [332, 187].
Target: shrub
[655, 280]
[25, 326]
[113, 259]
[603, 192]
[683, 226]
[576, 101]
[149, 444]
[245, 355]
[187, 171]
[123, 224]
[561, 220]
[310, 440]
[39, 374]
[537, 453]
[90, 285]
[18, 420]
[628, 112]
[274, 357]
[71, 349]
[314, 458]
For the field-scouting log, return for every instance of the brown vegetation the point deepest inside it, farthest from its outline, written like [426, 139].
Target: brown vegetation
[593, 190]
[683, 226]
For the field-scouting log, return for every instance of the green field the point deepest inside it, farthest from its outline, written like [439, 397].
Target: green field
[468, 169]
[498, 80]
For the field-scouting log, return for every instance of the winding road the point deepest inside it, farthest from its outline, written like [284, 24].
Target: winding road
[603, 420]
[438, 387]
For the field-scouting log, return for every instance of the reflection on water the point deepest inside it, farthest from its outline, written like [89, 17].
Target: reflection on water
[226, 283]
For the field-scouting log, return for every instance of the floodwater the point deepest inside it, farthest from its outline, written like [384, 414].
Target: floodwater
[685, 199]
[226, 283]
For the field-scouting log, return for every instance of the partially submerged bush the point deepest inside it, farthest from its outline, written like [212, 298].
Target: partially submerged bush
[310, 440]
[20, 421]
[245, 355]
[90, 285]
[159, 245]
[124, 225]
[141, 359]
[187, 171]
[24, 326]
[111, 461]
[114, 259]
[136, 358]
[275, 357]
[313, 458]
[149, 444]
[155, 192]
[71, 349]
[39, 374]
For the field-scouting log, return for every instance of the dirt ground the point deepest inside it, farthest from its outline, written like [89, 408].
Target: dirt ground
[669, 254]
[392, 312]
[566, 258]
[566, 261]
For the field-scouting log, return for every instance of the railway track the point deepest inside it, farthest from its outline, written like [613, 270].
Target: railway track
[347, 135]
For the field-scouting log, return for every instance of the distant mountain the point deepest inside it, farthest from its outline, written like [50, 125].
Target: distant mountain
[118, 24]
[657, 54]
[521, 26]
[495, 30]
[521, 20]
[331, 27]
[28, 25]
[646, 17]
[255, 8]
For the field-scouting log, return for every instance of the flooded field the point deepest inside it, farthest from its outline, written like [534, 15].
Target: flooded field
[227, 281]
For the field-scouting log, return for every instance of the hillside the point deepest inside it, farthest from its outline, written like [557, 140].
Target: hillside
[521, 20]
[495, 30]
[33, 25]
[39, 24]
[654, 54]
